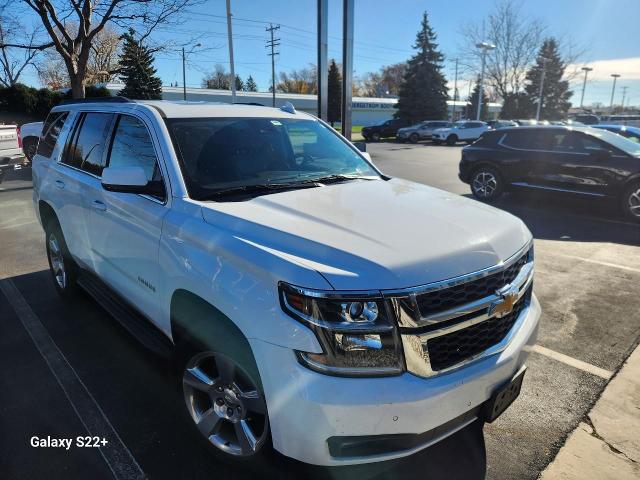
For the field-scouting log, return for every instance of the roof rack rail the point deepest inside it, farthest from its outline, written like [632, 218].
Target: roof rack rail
[97, 100]
[255, 104]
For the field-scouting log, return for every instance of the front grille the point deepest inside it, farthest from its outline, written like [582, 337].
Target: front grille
[448, 350]
[446, 298]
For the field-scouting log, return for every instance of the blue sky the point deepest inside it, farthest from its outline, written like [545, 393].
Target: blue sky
[385, 31]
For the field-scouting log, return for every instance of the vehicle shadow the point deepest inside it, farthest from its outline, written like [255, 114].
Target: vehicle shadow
[553, 216]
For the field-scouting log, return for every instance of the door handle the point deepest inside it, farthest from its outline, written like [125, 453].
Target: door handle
[98, 205]
[59, 184]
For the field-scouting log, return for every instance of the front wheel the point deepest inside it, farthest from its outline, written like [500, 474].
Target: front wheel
[226, 406]
[452, 140]
[375, 137]
[414, 138]
[486, 184]
[631, 202]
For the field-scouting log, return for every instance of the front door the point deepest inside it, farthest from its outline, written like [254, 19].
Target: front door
[126, 227]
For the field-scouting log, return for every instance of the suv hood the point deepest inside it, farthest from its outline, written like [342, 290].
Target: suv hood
[370, 235]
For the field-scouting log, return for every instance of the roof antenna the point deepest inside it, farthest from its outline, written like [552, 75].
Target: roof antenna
[288, 107]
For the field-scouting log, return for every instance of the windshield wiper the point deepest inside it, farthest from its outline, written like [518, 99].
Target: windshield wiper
[338, 178]
[258, 189]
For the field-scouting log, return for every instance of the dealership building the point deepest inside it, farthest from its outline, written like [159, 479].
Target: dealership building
[365, 110]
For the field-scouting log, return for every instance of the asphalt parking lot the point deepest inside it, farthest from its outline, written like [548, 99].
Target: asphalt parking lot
[588, 271]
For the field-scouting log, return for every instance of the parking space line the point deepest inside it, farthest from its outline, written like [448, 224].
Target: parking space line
[573, 362]
[115, 453]
[599, 262]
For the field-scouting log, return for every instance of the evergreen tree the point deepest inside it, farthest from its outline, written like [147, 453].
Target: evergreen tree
[137, 72]
[423, 93]
[250, 86]
[473, 108]
[239, 84]
[517, 105]
[334, 87]
[556, 93]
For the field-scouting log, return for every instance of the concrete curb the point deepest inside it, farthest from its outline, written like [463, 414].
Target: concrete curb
[607, 444]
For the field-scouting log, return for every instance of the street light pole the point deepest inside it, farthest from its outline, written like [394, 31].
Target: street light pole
[485, 48]
[613, 90]
[455, 94]
[584, 84]
[544, 71]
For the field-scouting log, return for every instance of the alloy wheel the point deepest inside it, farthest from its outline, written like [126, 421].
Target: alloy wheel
[57, 261]
[225, 404]
[484, 184]
[634, 203]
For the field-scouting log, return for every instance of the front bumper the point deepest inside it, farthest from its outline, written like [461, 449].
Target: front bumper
[307, 409]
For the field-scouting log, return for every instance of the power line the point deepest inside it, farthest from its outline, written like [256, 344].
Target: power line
[273, 43]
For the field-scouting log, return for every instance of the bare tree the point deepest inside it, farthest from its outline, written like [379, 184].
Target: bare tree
[517, 39]
[13, 61]
[91, 17]
[298, 81]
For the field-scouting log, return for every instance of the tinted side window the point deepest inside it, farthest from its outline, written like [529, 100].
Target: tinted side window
[516, 139]
[86, 150]
[132, 147]
[50, 132]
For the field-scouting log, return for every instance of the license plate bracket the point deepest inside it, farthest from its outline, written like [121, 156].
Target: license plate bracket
[503, 397]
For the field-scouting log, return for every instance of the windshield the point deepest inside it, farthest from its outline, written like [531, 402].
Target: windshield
[616, 140]
[222, 153]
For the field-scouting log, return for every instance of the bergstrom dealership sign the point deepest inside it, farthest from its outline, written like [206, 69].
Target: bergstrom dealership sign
[377, 106]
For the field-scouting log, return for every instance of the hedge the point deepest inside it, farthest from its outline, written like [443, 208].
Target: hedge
[22, 99]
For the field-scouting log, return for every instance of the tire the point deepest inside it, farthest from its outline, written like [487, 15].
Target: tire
[413, 138]
[375, 137]
[486, 184]
[1, 176]
[64, 270]
[452, 140]
[223, 401]
[631, 202]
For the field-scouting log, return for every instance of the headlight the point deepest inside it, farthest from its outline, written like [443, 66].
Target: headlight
[356, 331]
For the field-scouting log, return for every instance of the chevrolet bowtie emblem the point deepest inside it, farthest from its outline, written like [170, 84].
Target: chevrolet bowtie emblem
[504, 305]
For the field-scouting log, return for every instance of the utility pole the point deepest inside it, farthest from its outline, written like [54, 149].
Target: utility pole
[184, 78]
[455, 94]
[540, 92]
[347, 66]
[273, 43]
[485, 46]
[230, 42]
[584, 84]
[613, 90]
[624, 94]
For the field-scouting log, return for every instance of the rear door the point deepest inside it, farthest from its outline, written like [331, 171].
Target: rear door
[125, 228]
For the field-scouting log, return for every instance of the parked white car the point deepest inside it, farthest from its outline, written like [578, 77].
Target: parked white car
[30, 135]
[10, 149]
[463, 131]
[310, 303]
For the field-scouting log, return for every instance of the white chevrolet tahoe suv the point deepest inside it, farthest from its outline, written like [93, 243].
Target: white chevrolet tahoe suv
[312, 304]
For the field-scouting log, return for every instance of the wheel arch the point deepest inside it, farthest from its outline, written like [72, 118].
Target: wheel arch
[47, 213]
[195, 321]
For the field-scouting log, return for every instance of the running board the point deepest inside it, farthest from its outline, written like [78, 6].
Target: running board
[131, 320]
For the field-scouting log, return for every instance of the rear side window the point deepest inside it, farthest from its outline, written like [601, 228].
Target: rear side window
[50, 133]
[87, 148]
[527, 139]
[132, 147]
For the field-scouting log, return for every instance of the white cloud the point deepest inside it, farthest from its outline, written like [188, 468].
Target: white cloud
[628, 68]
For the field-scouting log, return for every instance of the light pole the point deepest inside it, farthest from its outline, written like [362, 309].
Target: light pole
[586, 71]
[485, 46]
[544, 71]
[230, 43]
[455, 94]
[184, 73]
[613, 90]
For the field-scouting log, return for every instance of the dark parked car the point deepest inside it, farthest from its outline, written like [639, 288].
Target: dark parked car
[384, 130]
[586, 118]
[496, 124]
[574, 160]
[632, 133]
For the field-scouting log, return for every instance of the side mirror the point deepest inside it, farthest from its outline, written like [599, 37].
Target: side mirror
[362, 146]
[129, 180]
